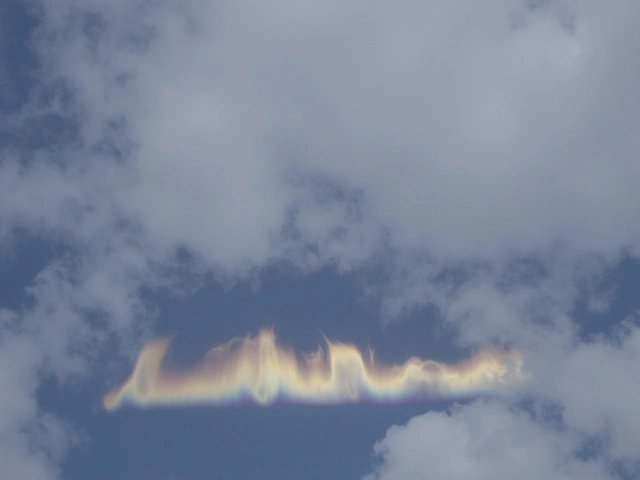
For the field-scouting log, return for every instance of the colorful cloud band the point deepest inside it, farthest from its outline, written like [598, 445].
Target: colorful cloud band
[258, 369]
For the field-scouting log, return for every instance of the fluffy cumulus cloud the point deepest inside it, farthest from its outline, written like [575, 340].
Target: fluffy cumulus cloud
[480, 158]
[484, 440]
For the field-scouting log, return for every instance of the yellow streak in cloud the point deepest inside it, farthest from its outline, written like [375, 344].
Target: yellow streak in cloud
[258, 368]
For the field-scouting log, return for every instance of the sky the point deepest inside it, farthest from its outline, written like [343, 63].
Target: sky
[450, 184]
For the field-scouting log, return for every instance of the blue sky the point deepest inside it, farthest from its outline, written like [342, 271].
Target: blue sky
[282, 441]
[427, 180]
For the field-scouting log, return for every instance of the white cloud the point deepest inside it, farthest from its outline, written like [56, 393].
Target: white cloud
[595, 383]
[482, 440]
[467, 137]
[482, 136]
[483, 157]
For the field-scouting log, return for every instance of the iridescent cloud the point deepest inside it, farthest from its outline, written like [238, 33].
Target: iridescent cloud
[258, 369]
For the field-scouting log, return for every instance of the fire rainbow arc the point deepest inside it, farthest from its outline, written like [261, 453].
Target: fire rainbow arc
[256, 368]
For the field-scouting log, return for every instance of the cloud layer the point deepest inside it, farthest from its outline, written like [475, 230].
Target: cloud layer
[479, 159]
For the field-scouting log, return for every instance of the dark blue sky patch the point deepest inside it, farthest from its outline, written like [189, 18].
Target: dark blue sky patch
[280, 441]
[300, 310]
[22, 258]
[19, 19]
[622, 285]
